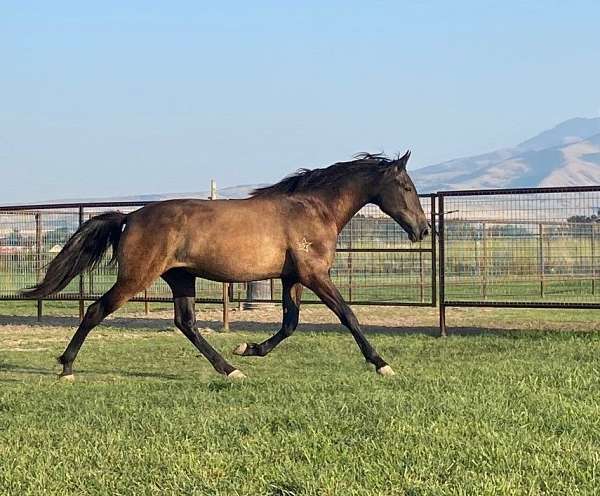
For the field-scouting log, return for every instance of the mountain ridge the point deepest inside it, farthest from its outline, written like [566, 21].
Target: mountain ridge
[567, 154]
[567, 148]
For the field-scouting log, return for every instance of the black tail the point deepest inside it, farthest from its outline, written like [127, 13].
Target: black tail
[83, 251]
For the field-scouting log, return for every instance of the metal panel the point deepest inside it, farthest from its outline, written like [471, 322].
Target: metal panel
[376, 263]
[522, 248]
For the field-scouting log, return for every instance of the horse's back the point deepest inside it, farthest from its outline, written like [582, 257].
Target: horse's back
[232, 240]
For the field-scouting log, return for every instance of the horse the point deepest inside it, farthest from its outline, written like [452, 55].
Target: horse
[288, 231]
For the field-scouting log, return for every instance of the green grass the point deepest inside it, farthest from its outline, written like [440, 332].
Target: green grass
[499, 413]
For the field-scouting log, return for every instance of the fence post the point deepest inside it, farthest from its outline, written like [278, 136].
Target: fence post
[38, 257]
[433, 221]
[421, 273]
[225, 306]
[484, 256]
[442, 250]
[350, 261]
[541, 257]
[213, 196]
[81, 280]
[593, 258]
[146, 306]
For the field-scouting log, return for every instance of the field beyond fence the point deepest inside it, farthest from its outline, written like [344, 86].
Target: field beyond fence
[530, 247]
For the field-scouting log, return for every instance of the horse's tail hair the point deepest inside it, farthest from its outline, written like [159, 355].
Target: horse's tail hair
[83, 251]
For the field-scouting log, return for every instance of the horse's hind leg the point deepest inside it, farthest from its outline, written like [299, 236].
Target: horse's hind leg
[182, 283]
[114, 298]
[292, 293]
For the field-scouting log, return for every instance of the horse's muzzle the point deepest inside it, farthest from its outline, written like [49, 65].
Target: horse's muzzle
[419, 234]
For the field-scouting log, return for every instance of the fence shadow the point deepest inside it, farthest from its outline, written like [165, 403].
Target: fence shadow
[143, 324]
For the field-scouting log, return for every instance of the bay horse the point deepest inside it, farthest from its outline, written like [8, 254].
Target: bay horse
[288, 230]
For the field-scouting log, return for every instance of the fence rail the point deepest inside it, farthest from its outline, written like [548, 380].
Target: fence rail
[533, 247]
[376, 263]
[522, 248]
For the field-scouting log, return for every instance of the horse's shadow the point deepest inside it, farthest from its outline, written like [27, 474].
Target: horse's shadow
[149, 324]
[20, 368]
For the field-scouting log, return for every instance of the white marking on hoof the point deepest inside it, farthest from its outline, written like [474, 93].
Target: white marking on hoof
[241, 349]
[236, 375]
[386, 371]
[67, 377]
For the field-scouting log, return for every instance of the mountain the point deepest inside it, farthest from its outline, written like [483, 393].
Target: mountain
[229, 193]
[566, 155]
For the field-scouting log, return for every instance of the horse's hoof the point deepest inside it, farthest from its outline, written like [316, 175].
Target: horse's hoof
[240, 350]
[66, 377]
[235, 375]
[386, 371]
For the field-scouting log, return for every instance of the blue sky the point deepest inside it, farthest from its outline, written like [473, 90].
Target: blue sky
[117, 98]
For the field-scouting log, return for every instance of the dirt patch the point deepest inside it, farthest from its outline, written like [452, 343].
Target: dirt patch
[24, 332]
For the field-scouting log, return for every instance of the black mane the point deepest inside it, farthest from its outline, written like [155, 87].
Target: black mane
[307, 180]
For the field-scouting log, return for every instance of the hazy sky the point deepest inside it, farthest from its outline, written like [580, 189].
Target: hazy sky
[115, 98]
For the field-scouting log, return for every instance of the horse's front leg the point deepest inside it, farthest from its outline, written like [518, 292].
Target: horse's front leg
[292, 293]
[324, 288]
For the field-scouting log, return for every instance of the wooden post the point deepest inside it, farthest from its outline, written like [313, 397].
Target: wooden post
[81, 279]
[38, 259]
[213, 196]
[146, 306]
[541, 257]
[225, 306]
[213, 190]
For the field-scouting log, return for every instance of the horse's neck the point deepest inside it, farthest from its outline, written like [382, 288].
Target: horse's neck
[345, 202]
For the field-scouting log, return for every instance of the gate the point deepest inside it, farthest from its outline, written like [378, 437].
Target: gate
[526, 248]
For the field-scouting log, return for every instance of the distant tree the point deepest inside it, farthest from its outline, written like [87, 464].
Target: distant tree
[58, 236]
[585, 219]
[15, 238]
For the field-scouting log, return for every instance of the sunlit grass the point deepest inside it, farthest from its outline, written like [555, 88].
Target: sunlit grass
[503, 413]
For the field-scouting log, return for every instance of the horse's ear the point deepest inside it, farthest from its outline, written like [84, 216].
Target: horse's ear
[400, 163]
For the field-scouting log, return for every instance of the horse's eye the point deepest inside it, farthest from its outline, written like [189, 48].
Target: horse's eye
[407, 189]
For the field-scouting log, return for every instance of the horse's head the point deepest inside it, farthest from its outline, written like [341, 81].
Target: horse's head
[398, 198]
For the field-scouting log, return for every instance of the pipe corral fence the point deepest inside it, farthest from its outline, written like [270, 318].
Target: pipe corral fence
[526, 248]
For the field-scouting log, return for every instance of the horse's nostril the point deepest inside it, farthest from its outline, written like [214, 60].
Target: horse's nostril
[425, 232]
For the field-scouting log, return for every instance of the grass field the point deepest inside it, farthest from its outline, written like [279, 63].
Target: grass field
[492, 412]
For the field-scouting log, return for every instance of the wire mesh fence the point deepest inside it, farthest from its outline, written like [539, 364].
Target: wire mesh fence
[375, 264]
[522, 246]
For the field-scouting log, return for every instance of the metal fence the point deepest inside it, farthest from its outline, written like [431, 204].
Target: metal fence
[376, 264]
[534, 248]
[531, 248]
